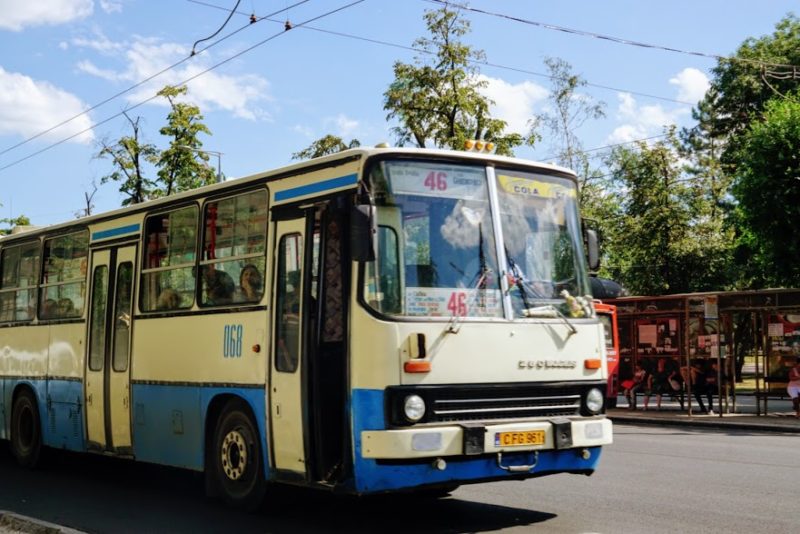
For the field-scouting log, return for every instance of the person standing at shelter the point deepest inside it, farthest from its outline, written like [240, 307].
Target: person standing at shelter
[794, 386]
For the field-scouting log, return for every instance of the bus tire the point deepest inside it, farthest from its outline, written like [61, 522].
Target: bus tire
[26, 430]
[236, 461]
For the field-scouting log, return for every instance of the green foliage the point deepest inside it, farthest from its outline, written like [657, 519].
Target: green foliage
[438, 99]
[767, 189]
[329, 144]
[570, 111]
[741, 89]
[181, 166]
[21, 220]
[662, 242]
[128, 156]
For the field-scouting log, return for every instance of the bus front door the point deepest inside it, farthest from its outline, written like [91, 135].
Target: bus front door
[286, 391]
[107, 384]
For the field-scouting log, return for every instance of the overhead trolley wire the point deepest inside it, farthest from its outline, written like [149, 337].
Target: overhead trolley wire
[618, 40]
[138, 84]
[187, 80]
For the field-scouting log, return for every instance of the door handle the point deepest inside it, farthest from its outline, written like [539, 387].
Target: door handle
[89, 399]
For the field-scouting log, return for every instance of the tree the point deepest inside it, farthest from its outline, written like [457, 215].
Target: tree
[570, 111]
[183, 165]
[661, 243]
[438, 99]
[329, 144]
[767, 189]
[128, 156]
[21, 220]
[742, 86]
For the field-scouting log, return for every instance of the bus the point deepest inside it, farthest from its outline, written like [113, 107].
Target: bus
[607, 313]
[378, 320]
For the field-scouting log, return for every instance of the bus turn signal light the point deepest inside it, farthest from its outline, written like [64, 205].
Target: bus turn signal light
[417, 366]
[593, 363]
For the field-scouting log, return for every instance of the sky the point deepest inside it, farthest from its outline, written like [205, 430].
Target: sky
[69, 68]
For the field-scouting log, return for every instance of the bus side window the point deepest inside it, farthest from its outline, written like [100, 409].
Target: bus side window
[289, 290]
[234, 244]
[18, 282]
[64, 276]
[168, 273]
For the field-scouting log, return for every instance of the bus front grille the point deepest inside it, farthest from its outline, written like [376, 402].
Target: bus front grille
[459, 403]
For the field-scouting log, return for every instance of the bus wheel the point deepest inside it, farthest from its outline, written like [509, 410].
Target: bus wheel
[26, 430]
[236, 458]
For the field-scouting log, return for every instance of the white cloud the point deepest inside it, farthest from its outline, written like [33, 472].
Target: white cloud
[692, 84]
[28, 106]
[145, 57]
[343, 125]
[305, 131]
[98, 42]
[110, 7]
[17, 14]
[90, 68]
[643, 121]
[513, 103]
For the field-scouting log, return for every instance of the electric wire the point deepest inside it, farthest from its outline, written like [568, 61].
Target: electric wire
[618, 40]
[187, 80]
[138, 84]
[219, 30]
[478, 62]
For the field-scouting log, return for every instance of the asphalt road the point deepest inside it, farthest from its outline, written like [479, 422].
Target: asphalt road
[651, 479]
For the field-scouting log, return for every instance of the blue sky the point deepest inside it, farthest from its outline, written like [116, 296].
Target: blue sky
[61, 57]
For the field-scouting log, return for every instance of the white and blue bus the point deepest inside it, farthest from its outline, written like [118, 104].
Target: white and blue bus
[377, 320]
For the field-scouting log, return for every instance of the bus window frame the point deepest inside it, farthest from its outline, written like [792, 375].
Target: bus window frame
[202, 263]
[35, 287]
[84, 280]
[138, 307]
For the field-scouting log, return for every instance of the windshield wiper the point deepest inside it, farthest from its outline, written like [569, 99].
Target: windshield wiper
[550, 311]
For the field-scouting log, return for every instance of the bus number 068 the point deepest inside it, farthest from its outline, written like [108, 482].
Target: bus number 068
[232, 341]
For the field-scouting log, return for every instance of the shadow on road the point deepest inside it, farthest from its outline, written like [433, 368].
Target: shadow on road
[98, 494]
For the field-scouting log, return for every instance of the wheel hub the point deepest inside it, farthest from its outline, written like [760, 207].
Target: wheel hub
[234, 455]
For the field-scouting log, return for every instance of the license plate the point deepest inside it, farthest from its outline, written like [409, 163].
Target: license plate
[519, 439]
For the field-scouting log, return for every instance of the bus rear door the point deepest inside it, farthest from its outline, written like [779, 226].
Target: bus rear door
[107, 384]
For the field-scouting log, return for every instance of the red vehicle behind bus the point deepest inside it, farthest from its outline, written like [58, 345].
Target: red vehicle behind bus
[608, 316]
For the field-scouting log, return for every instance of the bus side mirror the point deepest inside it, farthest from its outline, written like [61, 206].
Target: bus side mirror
[592, 250]
[363, 232]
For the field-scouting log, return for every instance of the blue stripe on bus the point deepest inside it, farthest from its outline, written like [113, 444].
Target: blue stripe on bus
[168, 421]
[62, 425]
[370, 476]
[317, 187]
[114, 232]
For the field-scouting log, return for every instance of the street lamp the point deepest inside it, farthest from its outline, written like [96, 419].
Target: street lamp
[213, 153]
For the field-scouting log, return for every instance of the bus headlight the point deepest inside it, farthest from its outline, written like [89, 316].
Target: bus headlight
[414, 408]
[594, 401]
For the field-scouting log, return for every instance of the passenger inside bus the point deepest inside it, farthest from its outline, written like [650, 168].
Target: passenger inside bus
[168, 299]
[219, 286]
[251, 286]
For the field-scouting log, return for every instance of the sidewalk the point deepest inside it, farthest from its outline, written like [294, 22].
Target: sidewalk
[11, 523]
[779, 417]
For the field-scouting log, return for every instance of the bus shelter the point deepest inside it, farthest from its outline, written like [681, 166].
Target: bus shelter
[715, 332]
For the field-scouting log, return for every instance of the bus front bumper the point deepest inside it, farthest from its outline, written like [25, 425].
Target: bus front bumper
[468, 439]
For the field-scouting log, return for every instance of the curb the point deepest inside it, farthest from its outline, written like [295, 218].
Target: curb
[697, 423]
[19, 524]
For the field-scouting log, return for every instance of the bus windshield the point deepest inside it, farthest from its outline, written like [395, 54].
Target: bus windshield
[437, 242]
